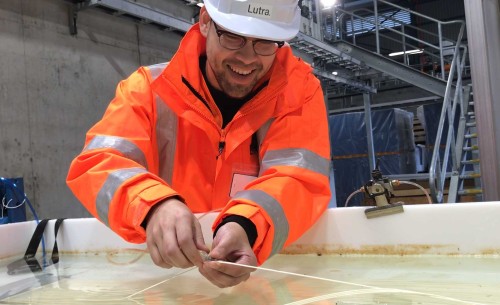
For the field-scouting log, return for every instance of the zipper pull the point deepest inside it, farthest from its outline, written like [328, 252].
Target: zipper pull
[222, 144]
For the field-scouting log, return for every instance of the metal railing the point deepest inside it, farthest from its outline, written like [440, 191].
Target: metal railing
[439, 164]
[454, 104]
[436, 49]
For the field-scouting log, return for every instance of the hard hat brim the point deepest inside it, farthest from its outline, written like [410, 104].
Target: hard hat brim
[255, 27]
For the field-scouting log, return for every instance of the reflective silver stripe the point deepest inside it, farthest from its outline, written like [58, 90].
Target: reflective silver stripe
[108, 190]
[274, 210]
[166, 133]
[262, 132]
[124, 146]
[156, 70]
[166, 130]
[303, 158]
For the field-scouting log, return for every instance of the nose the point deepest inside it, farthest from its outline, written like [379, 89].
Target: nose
[247, 53]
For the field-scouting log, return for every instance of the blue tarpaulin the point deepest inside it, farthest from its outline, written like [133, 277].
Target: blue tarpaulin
[393, 141]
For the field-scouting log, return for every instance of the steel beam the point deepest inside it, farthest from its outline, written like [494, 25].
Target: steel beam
[483, 32]
[142, 12]
[390, 67]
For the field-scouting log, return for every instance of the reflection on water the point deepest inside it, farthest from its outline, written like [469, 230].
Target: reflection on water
[131, 278]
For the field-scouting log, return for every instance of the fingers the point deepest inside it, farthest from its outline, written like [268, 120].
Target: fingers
[222, 275]
[174, 236]
[186, 237]
[199, 240]
[156, 257]
[230, 244]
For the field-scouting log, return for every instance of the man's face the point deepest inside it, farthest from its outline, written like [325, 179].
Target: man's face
[235, 72]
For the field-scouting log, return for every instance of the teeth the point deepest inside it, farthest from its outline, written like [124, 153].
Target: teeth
[242, 72]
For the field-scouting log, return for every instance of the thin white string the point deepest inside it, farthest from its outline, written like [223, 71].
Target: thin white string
[176, 275]
[159, 283]
[298, 274]
[371, 289]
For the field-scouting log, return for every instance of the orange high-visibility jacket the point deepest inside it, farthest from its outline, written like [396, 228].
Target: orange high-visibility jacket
[161, 136]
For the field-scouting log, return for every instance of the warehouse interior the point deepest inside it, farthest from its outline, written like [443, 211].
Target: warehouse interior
[410, 87]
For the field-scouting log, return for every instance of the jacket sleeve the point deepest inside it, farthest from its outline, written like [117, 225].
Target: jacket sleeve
[292, 190]
[115, 176]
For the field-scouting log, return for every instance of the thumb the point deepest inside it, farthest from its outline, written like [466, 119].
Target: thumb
[198, 238]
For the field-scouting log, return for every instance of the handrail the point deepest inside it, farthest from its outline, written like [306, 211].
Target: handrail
[339, 25]
[393, 20]
[437, 171]
[405, 43]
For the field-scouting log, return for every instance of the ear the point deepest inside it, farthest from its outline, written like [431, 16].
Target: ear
[204, 22]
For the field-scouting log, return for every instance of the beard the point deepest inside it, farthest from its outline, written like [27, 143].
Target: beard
[233, 89]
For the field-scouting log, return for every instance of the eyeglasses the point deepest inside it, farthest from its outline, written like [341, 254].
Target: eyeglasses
[232, 41]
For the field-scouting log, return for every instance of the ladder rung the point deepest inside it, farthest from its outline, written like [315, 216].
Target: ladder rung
[470, 124]
[473, 161]
[471, 135]
[470, 191]
[471, 176]
[470, 148]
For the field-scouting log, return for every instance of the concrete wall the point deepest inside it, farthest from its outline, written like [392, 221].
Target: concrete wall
[54, 87]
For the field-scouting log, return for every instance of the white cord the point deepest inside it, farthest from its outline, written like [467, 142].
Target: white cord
[429, 200]
[370, 289]
[352, 194]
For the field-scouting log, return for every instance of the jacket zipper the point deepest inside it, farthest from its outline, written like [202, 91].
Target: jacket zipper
[222, 143]
[222, 132]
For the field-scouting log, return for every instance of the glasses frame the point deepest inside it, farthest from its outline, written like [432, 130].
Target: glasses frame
[245, 40]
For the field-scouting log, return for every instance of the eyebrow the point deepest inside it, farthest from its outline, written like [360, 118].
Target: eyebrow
[217, 29]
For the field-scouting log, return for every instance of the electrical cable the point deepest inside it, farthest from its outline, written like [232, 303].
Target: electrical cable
[352, 194]
[429, 200]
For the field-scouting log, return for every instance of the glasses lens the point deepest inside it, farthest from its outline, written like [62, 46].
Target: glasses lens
[265, 48]
[230, 41]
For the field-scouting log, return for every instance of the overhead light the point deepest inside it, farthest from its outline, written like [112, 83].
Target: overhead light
[417, 51]
[328, 3]
[200, 4]
[335, 73]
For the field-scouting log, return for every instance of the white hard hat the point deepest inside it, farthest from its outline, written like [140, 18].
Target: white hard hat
[265, 19]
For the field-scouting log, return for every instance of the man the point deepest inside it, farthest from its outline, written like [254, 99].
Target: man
[233, 122]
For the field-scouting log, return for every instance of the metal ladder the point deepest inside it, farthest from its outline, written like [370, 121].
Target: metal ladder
[468, 162]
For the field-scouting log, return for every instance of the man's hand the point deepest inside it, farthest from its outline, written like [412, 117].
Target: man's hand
[230, 244]
[174, 236]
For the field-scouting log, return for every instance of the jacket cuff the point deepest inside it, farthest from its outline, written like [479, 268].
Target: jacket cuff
[244, 222]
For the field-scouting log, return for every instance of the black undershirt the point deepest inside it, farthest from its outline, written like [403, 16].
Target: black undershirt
[228, 107]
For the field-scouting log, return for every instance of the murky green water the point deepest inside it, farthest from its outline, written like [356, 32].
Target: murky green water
[131, 278]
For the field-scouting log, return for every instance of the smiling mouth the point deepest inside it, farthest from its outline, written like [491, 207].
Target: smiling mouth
[240, 71]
